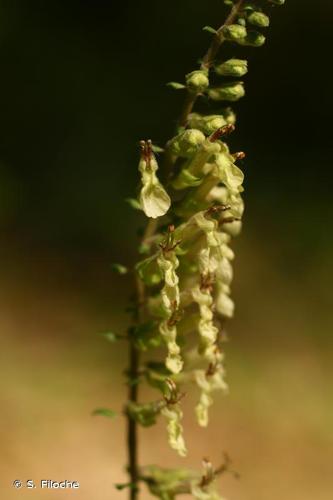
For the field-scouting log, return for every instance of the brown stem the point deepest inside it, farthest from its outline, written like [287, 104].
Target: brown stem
[132, 434]
[133, 374]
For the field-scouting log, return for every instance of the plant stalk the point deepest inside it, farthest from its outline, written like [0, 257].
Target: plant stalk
[133, 374]
[132, 430]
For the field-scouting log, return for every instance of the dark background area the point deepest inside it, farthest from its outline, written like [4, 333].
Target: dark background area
[81, 83]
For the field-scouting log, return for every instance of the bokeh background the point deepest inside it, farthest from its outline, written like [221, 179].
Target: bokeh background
[81, 82]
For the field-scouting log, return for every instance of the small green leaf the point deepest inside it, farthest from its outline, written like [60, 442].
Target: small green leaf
[119, 268]
[133, 203]
[157, 149]
[277, 2]
[249, 8]
[176, 85]
[122, 486]
[147, 336]
[104, 412]
[209, 29]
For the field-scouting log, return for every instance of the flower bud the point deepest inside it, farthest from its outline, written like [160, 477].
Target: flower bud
[229, 116]
[197, 81]
[254, 39]
[207, 124]
[258, 19]
[232, 67]
[228, 92]
[234, 32]
[186, 143]
[277, 2]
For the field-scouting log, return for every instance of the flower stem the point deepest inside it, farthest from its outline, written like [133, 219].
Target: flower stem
[132, 437]
[133, 373]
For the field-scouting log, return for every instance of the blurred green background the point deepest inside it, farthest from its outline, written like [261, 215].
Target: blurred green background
[81, 82]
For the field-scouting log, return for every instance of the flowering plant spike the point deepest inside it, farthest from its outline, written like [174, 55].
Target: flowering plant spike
[183, 281]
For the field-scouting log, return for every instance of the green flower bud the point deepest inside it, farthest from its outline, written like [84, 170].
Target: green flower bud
[186, 143]
[207, 124]
[197, 81]
[258, 19]
[254, 39]
[232, 67]
[277, 2]
[241, 21]
[234, 32]
[230, 116]
[145, 414]
[228, 92]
